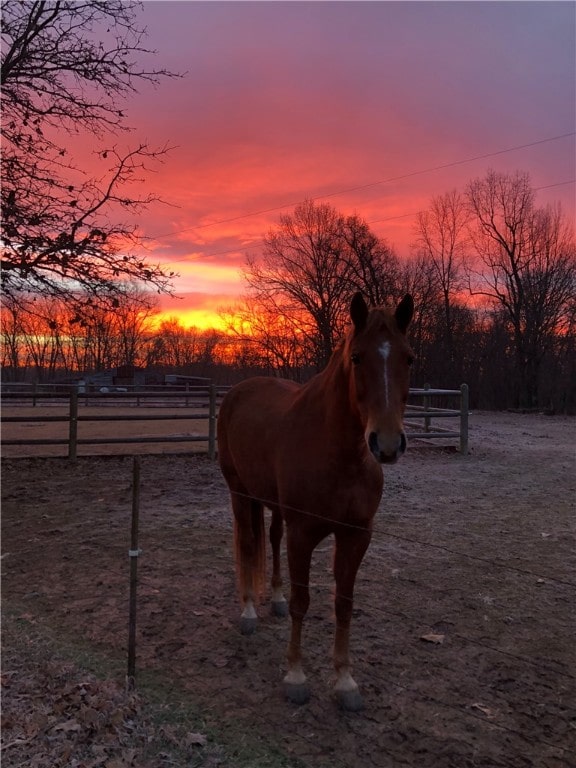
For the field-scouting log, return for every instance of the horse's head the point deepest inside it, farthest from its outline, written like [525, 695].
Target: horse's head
[380, 359]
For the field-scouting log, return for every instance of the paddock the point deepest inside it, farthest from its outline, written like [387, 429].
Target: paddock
[464, 617]
[41, 421]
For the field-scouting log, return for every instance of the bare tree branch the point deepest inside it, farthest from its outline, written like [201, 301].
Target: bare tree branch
[312, 263]
[529, 260]
[65, 66]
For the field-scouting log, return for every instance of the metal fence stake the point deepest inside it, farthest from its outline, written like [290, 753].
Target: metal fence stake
[133, 554]
[73, 426]
[464, 401]
[212, 424]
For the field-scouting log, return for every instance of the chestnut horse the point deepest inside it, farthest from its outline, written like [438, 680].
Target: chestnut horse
[311, 454]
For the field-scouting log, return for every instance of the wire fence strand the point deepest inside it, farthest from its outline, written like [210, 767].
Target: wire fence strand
[325, 584]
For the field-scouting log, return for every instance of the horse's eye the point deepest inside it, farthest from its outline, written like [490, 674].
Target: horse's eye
[355, 357]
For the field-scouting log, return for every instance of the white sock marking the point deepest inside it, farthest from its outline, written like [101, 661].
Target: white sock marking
[249, 611]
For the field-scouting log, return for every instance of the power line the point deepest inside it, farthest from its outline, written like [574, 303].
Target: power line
[461, 710]
[487, 721]
[340, 524]
[369, 185]
[260, 243]
[423, 696]
[376, 534]
[557, 184]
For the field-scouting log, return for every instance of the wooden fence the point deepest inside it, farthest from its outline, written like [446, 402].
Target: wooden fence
[418, 417]
[200, 403]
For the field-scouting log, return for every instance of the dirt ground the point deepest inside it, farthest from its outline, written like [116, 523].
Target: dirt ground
[464, 620]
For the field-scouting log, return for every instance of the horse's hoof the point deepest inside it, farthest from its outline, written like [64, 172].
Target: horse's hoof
[280, 608]
[350, 701]
[248, 625]
[297, 693]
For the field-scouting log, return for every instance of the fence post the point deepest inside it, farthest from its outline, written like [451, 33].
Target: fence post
[426, 409]
[133, 554]
[464, 400]
[73, 425]
[212, 423]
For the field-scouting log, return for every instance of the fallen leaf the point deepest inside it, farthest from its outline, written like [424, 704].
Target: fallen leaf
[129, 755]
[115, 762]
[89, 717]
[196, 740]
[68, 726]
[433, 638]
[485, 710]
[169, 733]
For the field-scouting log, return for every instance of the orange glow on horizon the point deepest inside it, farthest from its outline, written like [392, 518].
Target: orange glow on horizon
[200, 310]
[202, 319]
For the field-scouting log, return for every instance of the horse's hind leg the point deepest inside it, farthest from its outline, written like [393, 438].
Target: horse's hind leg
[279, 604]
[250, 544]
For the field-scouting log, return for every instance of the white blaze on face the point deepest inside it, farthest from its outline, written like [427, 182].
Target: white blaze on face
[385, 352]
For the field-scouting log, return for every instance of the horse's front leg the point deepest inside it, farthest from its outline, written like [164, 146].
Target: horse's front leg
[351, 546]
[300, 545]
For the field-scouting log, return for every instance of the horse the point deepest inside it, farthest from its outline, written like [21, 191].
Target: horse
[312, 454]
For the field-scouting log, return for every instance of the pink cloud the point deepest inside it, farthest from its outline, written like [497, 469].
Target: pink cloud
[286, 101]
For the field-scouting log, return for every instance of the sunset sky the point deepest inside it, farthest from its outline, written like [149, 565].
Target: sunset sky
[373, 107]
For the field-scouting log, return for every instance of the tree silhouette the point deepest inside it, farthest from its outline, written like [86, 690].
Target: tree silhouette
[528, 268]
[65, 68]
[441, 239]
[311, 265]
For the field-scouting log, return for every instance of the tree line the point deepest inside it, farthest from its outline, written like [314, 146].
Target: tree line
[492, 274]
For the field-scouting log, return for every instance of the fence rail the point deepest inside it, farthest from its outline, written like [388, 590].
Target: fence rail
[418, 417]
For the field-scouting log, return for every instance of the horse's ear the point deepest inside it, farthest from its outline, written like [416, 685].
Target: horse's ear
[404, 312]
[358, 312]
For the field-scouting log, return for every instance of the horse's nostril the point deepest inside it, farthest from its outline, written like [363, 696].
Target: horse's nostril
[373, 443]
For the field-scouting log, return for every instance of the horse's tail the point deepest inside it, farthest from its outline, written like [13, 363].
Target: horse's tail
[251, 560]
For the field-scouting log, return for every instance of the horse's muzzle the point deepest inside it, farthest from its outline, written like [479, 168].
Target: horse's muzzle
[384, 453]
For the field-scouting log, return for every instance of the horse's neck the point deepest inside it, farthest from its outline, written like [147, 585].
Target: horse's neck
[329, 392]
